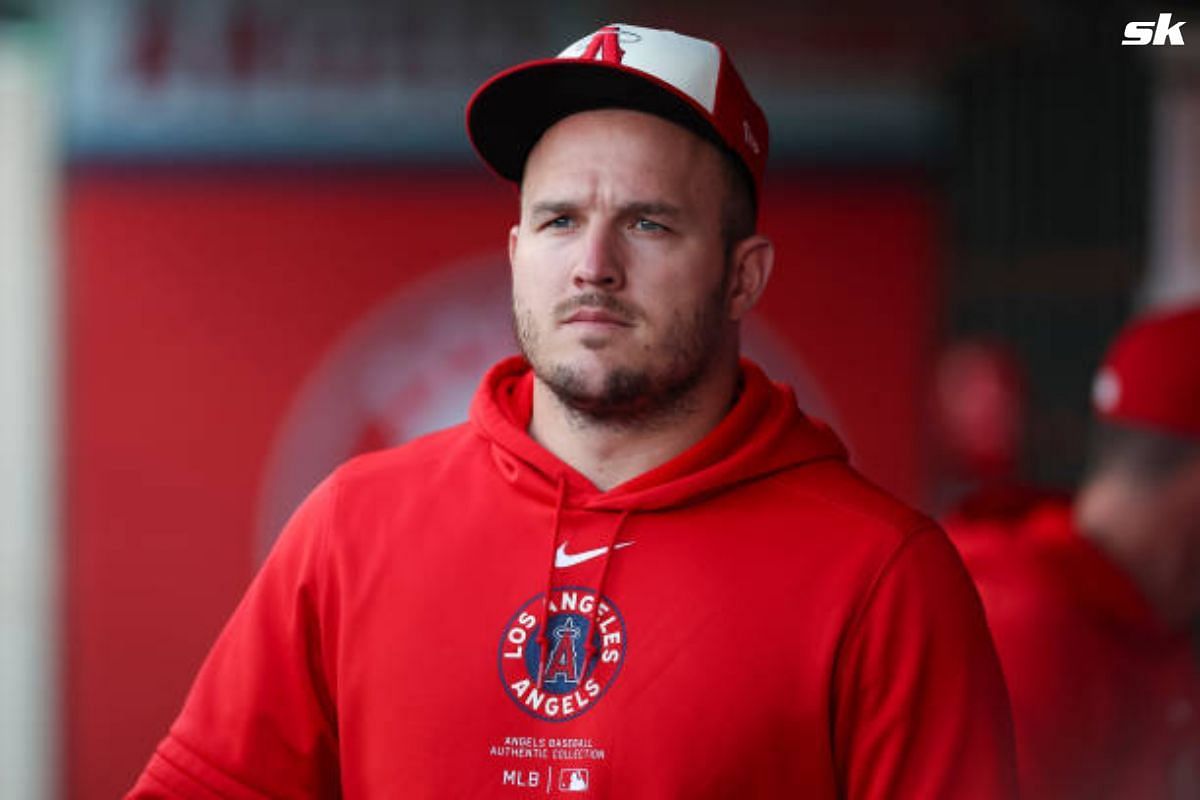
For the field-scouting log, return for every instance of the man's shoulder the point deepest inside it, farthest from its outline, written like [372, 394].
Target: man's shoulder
[835, 496]
[1022, 564]
[1039, 573]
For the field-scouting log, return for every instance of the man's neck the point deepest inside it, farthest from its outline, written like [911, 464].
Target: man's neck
[609, 453]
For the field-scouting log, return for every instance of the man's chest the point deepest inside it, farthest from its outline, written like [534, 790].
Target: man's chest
[680, 658]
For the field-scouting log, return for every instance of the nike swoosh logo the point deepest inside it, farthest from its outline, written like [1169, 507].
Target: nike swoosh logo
[563, 559]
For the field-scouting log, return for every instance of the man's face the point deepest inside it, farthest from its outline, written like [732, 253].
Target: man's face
[1156, 522]
[619, 291]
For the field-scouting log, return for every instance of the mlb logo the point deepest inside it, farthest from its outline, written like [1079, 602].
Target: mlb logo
[573, 780]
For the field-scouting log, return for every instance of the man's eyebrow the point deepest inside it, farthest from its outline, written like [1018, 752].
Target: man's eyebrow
[553, 207]
[649, 209]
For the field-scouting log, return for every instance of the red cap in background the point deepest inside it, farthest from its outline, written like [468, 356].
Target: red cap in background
[1151, 374]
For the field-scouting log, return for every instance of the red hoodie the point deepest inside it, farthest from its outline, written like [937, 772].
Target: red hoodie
[1105, 697]
[769, 625]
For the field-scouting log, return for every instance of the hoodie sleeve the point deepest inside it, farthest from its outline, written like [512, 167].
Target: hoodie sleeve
[921, 707]
[260, 719]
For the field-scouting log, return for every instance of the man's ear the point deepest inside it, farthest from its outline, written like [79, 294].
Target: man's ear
[513, 232]
[751, 262]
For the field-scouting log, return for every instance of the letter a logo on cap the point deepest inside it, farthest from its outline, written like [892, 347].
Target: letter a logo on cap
[607, 44]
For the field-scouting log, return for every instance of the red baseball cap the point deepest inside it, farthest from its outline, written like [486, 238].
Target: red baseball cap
[1151, 373]
[688, 81]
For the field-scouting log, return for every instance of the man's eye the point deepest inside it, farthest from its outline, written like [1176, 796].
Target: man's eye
[559, 222]
[648, 225]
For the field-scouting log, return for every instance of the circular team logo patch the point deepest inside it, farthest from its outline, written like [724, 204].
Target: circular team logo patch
[571, 681]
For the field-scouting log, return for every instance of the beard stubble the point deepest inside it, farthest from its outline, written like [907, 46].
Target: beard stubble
[644, 395]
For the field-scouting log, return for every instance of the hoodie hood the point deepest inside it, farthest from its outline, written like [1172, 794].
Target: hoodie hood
[763, 433]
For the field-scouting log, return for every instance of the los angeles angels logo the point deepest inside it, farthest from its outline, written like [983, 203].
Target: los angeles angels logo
[571, 680]
[563, 664]
[606, 43]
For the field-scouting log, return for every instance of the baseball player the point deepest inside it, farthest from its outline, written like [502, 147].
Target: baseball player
[639, 570]
[979, 398]
[1095, 603]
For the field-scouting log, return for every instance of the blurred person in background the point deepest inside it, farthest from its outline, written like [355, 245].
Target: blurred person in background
[1095, 604]
[639, 571]
[979, 411]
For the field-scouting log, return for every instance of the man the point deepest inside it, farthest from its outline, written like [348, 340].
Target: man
[978, 396]
[1095, 604]
[639, 571]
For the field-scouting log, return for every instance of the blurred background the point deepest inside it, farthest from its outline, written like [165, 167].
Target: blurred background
[243, 240]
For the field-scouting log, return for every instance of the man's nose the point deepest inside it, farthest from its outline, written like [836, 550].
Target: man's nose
[600, 264]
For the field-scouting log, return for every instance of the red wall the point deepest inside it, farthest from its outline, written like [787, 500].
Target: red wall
[199, 302]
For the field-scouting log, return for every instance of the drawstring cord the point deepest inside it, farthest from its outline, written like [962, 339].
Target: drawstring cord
[592, 631]
[542, 639]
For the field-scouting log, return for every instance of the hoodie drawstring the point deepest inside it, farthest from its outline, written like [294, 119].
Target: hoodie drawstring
[542, 640]
[592, 631]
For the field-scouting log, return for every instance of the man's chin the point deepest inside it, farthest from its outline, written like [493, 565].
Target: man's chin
[587, 381]
[597, 390]
[592, 364]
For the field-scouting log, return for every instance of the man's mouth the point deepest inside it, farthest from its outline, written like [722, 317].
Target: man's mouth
[596, 316]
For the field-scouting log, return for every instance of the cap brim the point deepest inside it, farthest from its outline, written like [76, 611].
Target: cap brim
[509, 113]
